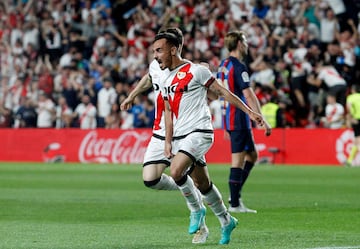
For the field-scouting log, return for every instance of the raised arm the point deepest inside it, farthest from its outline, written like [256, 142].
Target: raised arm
[143, 85]
[236, 101]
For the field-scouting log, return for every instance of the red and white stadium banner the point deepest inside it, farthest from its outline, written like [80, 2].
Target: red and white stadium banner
[293, 146]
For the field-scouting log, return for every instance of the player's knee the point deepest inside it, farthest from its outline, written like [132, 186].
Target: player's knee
[176, 174]
[152, 184]
[203, 186]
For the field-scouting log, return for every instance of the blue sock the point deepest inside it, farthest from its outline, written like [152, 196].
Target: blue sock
[235, 180]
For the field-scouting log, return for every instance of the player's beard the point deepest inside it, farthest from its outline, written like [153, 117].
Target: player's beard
[162, 64]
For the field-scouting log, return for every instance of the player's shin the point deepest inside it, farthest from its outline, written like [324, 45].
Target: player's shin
[214, 199]
[165, 182]
[190, 193]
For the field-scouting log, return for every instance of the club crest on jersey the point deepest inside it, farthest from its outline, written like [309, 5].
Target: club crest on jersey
[181, 75]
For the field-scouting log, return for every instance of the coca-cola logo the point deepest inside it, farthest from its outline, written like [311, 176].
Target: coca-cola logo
[129, 147]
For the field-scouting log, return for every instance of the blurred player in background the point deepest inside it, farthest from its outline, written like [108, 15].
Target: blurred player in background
[155, 162]
[353, 117]
[189, 131]
[234, 76]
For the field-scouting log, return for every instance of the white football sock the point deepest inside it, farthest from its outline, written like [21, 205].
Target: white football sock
[189, 191]
[166, 183]
[214, 199]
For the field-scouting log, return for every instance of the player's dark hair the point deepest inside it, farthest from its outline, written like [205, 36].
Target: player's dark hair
[178, 33]
[232, 38]
[170, 38]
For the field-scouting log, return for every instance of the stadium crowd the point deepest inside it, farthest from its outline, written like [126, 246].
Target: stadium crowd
[70, 63]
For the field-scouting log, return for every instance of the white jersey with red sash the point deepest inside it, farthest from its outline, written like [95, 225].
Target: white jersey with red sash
[186, 90]
[157, 74]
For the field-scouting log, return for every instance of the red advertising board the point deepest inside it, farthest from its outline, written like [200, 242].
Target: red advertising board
[284, 146]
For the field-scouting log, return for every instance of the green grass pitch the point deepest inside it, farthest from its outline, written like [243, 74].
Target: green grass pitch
[55, 206]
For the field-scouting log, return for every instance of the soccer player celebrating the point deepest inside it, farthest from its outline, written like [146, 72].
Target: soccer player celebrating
[155, 162]
[189, 132]
[233, 75]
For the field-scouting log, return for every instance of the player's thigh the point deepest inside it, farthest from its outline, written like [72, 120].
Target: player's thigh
[155, 161]
[201, 177]
[196, 145]
[179, 165]
[242, 146]
[152, 172]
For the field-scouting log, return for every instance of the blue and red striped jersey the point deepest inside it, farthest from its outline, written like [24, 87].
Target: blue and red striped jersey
[235, 77]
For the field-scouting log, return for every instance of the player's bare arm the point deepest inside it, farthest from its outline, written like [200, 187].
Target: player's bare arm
[143, 85]
[236, 101]
[168, 130]
[254, 104]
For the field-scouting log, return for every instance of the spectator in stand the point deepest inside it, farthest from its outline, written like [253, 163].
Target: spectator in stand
[89, 88]
[307, 12]
[111, 58]
[13, 93]
[216, 113]
[148, 115]
[347, 40]
[334, 113]
[282, 78]
[6, 117]
[307, 32]
[335, 84]
[64, 86]
[258, 37]
[31, 34]
[201, 43]
[67, 57]
[26, 115]
[52, 38]
[85, 114]
[260, 9]
[273, 112]
[112, 121]
[138, 112]
[315, 93]
[103, 7]
[46, 111]
[239, 10]
[64, 114]
[300, 68]
[106, 97]
[263, 77]
[45, 79]
[273, 15]
[328, 25]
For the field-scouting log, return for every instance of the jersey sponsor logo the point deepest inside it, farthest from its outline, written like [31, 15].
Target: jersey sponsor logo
[175, 88]
[245, 77]
[156, 87]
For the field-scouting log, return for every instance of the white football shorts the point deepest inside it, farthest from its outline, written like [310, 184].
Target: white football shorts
[195, 145]
[154, 153]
